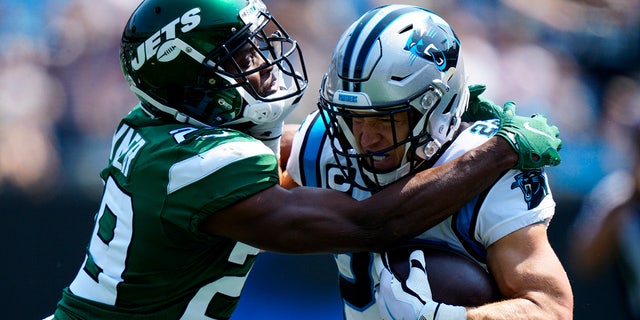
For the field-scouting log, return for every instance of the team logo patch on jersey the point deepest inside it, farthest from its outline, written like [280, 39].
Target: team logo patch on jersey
[533, 185]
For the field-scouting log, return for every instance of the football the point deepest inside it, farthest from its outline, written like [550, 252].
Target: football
[454, 278]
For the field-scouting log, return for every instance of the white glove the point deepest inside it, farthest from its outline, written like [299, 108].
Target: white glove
[412, 299]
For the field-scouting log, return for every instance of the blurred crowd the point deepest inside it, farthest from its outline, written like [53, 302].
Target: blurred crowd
[62, 92]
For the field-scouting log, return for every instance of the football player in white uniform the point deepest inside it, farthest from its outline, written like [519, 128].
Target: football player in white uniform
[391, 104]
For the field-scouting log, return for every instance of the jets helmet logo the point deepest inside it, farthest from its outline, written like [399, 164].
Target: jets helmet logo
[533, 185]
[161, 44]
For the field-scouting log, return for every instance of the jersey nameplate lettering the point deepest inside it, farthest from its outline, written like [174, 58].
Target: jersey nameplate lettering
[125, 146]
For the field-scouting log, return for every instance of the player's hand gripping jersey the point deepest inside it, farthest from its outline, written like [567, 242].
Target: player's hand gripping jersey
[516, 200]
[152, 260]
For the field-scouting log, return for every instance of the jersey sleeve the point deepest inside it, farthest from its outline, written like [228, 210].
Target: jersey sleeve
[307, 151]
[517, 200]
[475, 135]
[293, 164]
[216, 177]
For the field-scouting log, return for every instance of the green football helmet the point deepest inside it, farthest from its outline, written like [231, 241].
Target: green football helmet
[191, 59]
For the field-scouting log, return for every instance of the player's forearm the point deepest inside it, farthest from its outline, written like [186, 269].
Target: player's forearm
[432, 195]
[312, 220]
[521, 308]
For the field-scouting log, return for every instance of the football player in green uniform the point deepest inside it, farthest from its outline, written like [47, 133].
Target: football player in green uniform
[191, 188]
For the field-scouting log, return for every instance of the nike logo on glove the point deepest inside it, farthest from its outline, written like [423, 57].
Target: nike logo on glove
[528, 127]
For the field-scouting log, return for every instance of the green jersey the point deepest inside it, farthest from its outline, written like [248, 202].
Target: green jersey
[147, 258]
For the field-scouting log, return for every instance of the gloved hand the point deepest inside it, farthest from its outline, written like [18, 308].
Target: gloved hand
[413, 300]
[535, 141]
[480, 108]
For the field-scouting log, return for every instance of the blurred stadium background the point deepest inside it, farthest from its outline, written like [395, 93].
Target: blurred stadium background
[62, 94]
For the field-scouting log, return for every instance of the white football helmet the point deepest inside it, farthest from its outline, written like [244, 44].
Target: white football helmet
[394, 59]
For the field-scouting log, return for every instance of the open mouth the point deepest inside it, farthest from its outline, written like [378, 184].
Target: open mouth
[381, 161]
[379, 157]
[271, 88]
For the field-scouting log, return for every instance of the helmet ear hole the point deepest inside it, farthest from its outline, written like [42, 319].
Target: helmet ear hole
[450, 105]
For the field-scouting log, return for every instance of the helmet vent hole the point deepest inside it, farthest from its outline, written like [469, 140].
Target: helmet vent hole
[405, 29]
[158, 10]
[399, 78]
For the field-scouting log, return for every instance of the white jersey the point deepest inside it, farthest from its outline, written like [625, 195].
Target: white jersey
[516, 200]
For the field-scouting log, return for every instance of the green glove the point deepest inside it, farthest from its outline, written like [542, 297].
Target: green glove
[536, 143]
[480, 108]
